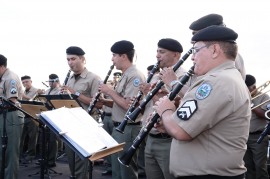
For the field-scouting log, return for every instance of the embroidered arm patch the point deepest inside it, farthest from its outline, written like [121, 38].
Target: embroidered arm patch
[187, 110]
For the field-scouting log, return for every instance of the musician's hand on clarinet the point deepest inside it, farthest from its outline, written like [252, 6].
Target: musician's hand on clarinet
[163, 105]
[145, 87]
[167, 75]
[100, 101]
[104, 88]
[67, 90]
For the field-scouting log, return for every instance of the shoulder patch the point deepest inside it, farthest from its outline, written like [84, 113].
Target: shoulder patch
[203, 91]
[136, 82]
[187, 110]
[13, 87]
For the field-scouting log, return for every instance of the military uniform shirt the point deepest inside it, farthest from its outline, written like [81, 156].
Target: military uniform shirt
[127, 87]
[257, 124]
[10, 85]
[149, 107]
[54, 91]
[239, 64]
[87, 84]
[30, 93]
[216, 113]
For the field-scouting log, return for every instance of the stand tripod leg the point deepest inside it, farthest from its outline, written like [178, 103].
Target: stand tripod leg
[73, 166]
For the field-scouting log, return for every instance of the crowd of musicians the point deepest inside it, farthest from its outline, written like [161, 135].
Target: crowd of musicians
[175, 122]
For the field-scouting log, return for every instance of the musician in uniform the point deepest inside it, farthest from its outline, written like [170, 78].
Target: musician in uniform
[157, 150]
[107, 119]
[11, 89]
[30, 127]
[127, 87]
[216, 19]
[256, 154]
[84, 84]
[54, 89]
[211, 125]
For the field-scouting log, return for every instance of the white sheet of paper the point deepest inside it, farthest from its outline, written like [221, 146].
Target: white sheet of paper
[80, 129]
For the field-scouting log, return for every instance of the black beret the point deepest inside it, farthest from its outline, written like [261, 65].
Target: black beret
[26, 77]
[53, 76]
[215, 33]
[205, 21]
[117, 74]
[3, 60]
[122, 47]
[250, 80]
[170, 44]
[73, 50]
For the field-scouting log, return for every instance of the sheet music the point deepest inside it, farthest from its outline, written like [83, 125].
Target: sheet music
[80, 129]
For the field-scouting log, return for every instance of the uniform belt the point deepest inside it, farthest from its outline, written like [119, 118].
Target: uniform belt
[107, 114]
[129, 124]
[160, 135]
[212, 177]
[9, 110]
[257, 132]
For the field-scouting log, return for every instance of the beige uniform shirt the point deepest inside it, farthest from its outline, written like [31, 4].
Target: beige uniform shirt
[87, 84]
[10, 85]
[54, 91]
[257, 124]
[149, 107]
[239, 64]
[31, 93]
[127, 87]
[216, 113]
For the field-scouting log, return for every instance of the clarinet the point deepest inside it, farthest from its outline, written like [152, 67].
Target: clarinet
[93, 103]
[65, 83]
[123, 124]
[125, 159]
[154, 91]
[67, 77]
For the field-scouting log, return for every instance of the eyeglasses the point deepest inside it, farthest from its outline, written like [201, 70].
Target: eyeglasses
[196, 50]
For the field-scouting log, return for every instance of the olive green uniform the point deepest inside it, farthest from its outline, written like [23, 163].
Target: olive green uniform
[215, 112]
[158, 145]
[256, 154]
[10, 86]
[30, 129]
[86, 83]
[127, 87]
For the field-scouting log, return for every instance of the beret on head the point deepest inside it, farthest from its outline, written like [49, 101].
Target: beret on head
[215, 33]
[3, 60]
[250, 80]
[205, 21]
[122, 47]
[170, 44]
[53, 76]
[73, 50]
[26, 77]
[117, 74]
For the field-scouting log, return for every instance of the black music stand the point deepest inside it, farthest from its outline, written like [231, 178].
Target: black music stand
[68, 103]
[5, 105]
[34, 108]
